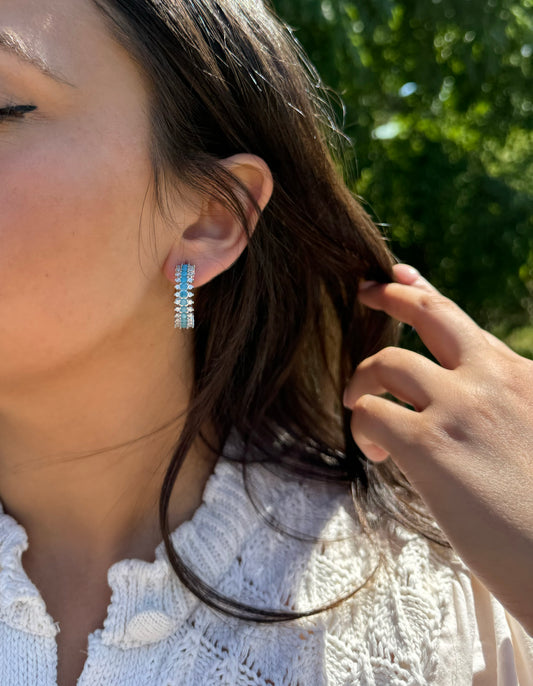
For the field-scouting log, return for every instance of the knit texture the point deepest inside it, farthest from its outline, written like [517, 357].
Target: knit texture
[412, 622]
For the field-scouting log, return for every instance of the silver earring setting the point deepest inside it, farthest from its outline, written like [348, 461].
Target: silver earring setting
[184, 277]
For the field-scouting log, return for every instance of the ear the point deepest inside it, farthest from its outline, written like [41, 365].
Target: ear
[216, 238]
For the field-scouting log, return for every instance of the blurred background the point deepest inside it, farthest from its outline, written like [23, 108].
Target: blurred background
[436, 97]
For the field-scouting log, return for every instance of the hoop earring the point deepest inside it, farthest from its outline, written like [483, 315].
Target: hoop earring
[184, 277]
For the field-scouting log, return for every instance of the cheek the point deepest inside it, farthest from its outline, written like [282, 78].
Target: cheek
[69, 237]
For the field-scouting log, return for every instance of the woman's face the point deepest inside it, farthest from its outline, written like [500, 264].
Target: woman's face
[77, 270]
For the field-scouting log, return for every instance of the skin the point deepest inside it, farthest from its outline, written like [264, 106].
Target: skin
[465, 440]
[87, 338]
[89, 357]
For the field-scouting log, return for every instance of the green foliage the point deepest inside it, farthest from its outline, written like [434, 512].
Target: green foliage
[436, 97]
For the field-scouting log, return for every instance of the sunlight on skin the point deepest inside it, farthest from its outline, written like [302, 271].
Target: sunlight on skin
[467, 438]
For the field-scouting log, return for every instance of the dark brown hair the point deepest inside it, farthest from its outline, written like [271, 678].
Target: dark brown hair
[278, 334]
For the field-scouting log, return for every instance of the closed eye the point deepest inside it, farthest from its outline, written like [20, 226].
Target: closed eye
[16, 111]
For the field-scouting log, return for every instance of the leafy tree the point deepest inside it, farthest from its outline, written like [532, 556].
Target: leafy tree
[436, 97]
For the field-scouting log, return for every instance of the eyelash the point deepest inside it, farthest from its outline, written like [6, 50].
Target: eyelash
[16, 111]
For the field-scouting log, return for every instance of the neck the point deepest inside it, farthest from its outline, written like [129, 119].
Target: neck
[82, 459]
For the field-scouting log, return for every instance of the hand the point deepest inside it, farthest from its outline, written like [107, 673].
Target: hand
[466, 442]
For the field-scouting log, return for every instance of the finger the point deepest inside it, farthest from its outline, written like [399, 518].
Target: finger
[372, 452]
[404, 273]
[385, 424]
[410, 377]
[448, 332]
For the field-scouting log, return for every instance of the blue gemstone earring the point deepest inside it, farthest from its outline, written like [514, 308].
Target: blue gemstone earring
[184, 276]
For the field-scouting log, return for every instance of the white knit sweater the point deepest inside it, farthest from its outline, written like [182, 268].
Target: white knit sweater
[422, 619]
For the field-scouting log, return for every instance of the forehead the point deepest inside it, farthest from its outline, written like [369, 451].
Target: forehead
[68, 35]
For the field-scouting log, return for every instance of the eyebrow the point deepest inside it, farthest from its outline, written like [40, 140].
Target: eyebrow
[11, 43]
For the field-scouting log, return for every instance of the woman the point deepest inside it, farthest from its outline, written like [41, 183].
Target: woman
[181, 315]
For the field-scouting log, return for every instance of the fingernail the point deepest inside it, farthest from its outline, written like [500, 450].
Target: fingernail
[407, 269]
[406, 273]
[365, 285]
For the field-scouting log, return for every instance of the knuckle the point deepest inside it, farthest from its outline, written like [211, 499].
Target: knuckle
[387, 355]
[432, 433]
[382, 360]
[453, 426]
[452, 429]
[430, 305]
[429, 302]
[362, 406]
